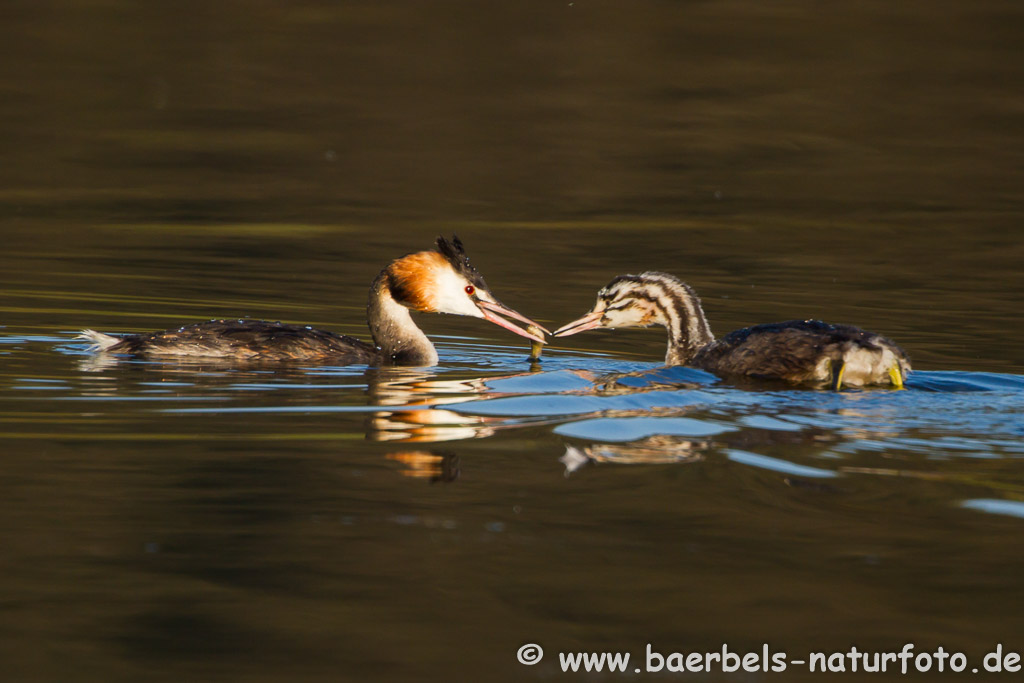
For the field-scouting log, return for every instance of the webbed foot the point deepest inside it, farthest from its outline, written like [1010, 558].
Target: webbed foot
[838, 367]
[896, 376]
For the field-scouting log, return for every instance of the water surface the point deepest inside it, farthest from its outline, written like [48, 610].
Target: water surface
[163, 165]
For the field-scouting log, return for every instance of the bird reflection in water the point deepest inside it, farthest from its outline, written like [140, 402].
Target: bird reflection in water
[410, 397]
[811, 450]
[654, 450]
[434, 467]
[414, 393]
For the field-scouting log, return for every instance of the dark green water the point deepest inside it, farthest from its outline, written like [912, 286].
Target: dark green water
[167, 164]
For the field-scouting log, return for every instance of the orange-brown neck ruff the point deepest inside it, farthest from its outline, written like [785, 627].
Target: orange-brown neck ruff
[413, 281]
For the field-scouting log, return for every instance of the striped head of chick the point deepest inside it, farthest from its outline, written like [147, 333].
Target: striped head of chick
[647, 299]
[642, 301]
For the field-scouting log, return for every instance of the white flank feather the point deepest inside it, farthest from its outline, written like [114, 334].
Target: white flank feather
[100, 341]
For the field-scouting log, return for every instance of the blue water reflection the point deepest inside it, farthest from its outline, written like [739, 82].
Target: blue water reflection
[604, 409]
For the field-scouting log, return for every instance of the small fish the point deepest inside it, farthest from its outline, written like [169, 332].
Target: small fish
[536, 347]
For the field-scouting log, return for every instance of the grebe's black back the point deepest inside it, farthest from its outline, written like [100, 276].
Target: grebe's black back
[797, 351]
[240, 340]
[441, 281]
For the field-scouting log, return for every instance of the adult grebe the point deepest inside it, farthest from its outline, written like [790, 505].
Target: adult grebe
[441, 281]
[798, 351]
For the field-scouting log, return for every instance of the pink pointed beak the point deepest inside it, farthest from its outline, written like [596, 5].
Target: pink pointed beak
[490, 311]
[587, 322]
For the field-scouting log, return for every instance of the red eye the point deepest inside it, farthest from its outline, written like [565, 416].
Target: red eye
[470, 289]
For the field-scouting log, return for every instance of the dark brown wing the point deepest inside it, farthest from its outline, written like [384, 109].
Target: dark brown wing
[249, 340]
[789, 350]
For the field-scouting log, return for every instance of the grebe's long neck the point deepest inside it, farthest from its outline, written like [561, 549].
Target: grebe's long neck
[400, 341]
[688, 329]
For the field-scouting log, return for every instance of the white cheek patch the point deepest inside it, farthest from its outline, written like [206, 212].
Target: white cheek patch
[625, 317]
[451, 295]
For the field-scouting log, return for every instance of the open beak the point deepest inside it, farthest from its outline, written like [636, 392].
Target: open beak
[587, 322]
[490, 309]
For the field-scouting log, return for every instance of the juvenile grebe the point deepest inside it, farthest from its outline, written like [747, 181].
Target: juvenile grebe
[441, 281]
[798, 351]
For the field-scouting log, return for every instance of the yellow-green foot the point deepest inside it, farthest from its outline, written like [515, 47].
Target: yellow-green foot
[896, 376]
[838, 367]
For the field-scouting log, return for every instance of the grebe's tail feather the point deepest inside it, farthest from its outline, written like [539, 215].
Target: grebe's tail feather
[100, 341]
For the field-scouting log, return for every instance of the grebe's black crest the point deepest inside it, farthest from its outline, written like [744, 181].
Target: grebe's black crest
[455, 254]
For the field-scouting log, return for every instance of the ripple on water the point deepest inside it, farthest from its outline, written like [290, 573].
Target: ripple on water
[568, 405]
[636, 428]
[995, 506]
[777, 464]
[772, 423]
[942, 415]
